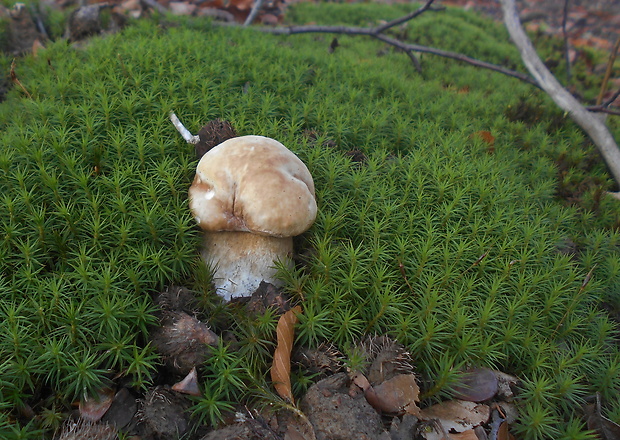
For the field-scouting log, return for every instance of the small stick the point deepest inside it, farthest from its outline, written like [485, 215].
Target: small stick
[401, 266]
[189, 138]
[610, 65]
[17, 81]
[253, 13]
[566, 43]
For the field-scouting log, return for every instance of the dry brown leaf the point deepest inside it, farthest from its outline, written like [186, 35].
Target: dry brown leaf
[398, 394]
[281, 366]
[94, 408]
[457, 415]
[604, 427]
[488, 139]
[503, 433]
[361, 381]
[189, 385]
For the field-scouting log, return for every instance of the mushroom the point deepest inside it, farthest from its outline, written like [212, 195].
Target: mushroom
[250, 195]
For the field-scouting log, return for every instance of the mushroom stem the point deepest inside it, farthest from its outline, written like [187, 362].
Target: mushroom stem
[187, 135]
[241, 260]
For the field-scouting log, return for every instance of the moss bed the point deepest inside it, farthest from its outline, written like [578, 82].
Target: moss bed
[460, 250]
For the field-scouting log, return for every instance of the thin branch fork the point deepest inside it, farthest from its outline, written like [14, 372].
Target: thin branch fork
[409, 49]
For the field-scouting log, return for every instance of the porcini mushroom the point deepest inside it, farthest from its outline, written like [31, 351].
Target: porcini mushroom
[250, 195]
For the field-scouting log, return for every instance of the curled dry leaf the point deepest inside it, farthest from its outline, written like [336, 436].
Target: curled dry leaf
[281, 366]
[457, 415]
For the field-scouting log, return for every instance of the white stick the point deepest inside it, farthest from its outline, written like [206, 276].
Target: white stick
[253, 13]
[591, 124]
[189, 138]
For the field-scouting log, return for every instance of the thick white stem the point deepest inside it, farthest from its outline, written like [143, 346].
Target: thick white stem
[241, 260]
[591, 124]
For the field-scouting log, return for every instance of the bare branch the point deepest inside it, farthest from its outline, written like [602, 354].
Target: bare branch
[406, 47]
[589, 122]
[603, 109]
[405, 18]
[415, 61]
[610, 65]
[456, 56]
[613, 97]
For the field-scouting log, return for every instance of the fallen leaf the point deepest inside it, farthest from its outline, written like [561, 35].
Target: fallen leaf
[476, 385]
[189, 384]
[123, 409]
[281, 366]
[94, 408]
[604, 427]
[397, 395]
[488, 138]
[361, 381]
[457, 415]
[503, 433]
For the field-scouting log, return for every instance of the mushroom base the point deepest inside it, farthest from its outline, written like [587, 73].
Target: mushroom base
[241, 260]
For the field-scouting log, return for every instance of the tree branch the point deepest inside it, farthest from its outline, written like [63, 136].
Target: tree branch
[406, 47]
[590, 123]
[405, 18]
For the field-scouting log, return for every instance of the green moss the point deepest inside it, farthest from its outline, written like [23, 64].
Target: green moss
[452, 247]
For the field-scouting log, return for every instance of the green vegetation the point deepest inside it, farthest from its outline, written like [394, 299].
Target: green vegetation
[454, 248]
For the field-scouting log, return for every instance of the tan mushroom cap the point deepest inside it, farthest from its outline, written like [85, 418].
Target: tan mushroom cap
[253, 184]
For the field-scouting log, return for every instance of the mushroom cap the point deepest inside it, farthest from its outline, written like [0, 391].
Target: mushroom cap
[253, 184]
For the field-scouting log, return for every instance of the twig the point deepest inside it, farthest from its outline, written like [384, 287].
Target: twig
[612, 99]
[591, 124]
[610, 65]
[456, 56]
[566, 46]
[406, 47]
[17, 81]
[415, 61]
[603, 109]
[189, 138]
[401, 266]
[254, 12]
[405, 18]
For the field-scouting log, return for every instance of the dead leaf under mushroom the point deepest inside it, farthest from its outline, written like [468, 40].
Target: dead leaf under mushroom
[281, 366]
